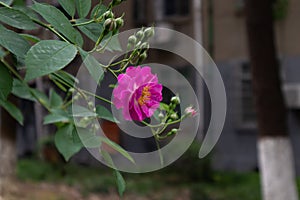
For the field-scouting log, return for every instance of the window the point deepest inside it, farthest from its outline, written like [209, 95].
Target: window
[160, 10]
[247, 117]
[176, 8]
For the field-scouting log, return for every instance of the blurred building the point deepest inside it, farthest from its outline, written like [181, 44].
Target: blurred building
[225, 37]
[220, 27]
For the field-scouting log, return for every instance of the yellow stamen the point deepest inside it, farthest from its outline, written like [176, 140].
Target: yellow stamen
[145, 96]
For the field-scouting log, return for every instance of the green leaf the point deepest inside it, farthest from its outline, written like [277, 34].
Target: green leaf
[79, 111]
[48, 56]
[88, 138]
[59, 21]
[6, 82]
[120, 182]
[83, 7]
[30, 38]
[55, 100]
[20, 90]
[98, 10]
[42, 98]
[164, 106]
[92, 30]
[113, 43]
[7, 2]
[27, 11]
[55, 118]
[92, 65]
[103, 113]
[117, 147]
[121, 185]
[65, 141]
[69, 6]
[2, 53]
[13, 42]
[13, 111]
[67, 77]
[16, 19]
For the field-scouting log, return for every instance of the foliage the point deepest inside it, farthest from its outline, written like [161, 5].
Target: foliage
[25, 57]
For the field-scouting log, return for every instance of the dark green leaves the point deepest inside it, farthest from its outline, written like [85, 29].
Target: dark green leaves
[6, 82]
[69, 6]
[120, 182]
[83, 7]
[93, 66]
[12, 110]
[16, 19]
[48, 56]
[59, 21]
[7, 2]
[13, 42]
[103, 113]
[67, 141]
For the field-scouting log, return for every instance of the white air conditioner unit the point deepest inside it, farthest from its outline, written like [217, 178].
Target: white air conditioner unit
[292, 95]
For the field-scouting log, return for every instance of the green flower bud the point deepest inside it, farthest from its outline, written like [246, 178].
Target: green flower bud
[143, 56]
[132, 40]
[175, 100]
[138, 44]
[108, 14]
[149, 32]
[174, 116]
[116, 2]
[71, 90]
[90, 104]
[140, 35]
[145, 45]
[110, 24]
[173, 131]
[161, 115]
[119, 22]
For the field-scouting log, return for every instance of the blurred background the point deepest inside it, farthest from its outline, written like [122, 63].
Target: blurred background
[229, 172]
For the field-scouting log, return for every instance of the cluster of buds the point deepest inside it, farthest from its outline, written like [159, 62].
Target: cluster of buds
[138, 41]
[112, 24]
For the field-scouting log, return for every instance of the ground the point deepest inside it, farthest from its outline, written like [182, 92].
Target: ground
[16, 190]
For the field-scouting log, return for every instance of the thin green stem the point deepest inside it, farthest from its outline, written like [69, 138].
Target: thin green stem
[113, 73]
[5, 5]
[96, 96]
[10, 68]
[98, 42]
[51, 29]
[83, 23]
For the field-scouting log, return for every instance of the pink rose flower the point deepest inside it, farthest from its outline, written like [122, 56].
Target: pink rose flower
[137, 93]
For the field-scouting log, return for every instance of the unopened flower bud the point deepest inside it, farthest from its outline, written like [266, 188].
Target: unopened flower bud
[90, 104]
[175, 100]
[174, 116]
[161, 115]
[110, 24]
[140, 35]
[190, 111]
[71, 90]
[116, 2]
[149, 32]
[108, 14]
[173, 131]
[132, 40]
[119, 22]
[145, 45]
[143, 56]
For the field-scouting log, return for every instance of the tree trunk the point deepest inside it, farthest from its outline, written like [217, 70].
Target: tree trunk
[7, 148]
[274, 148]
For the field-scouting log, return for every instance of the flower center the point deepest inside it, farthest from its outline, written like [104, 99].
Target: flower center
[145, 96]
